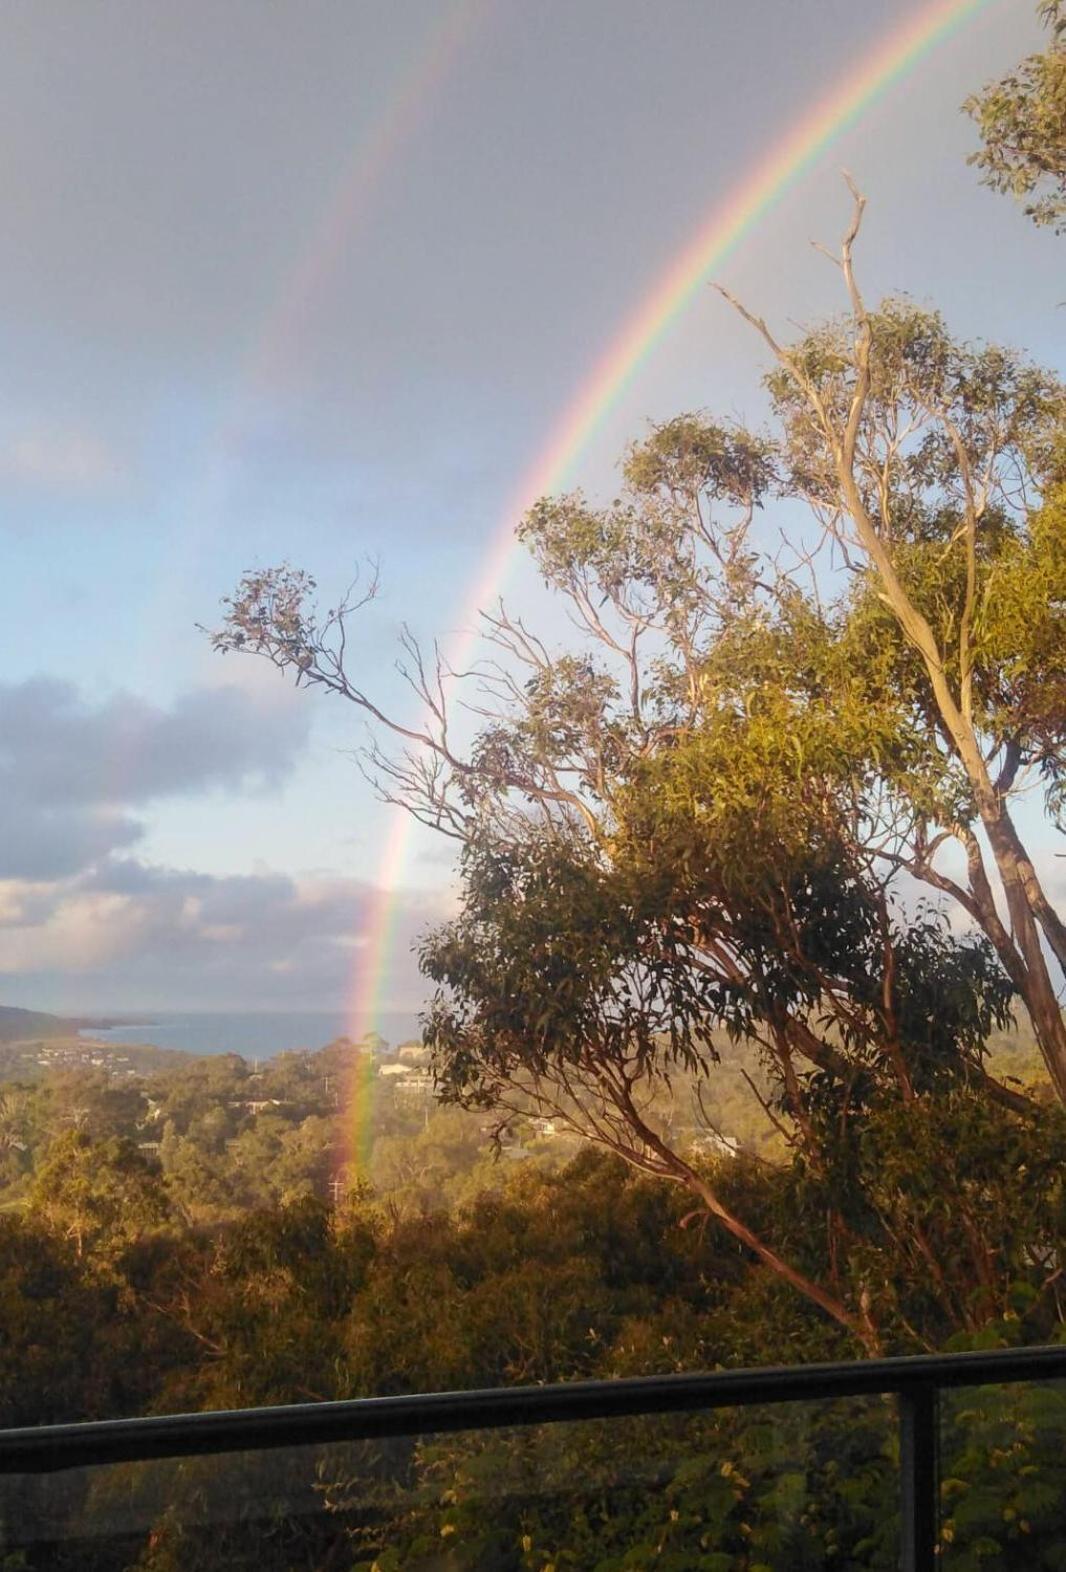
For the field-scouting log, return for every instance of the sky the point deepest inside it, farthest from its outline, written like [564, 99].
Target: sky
[313, 281]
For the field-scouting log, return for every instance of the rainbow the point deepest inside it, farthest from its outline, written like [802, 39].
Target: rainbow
[720, 233]
[271, 348]
[274, 346]
[357, 1096]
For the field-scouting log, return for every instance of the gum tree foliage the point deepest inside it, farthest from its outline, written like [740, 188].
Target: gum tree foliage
[102, 1196]
[1022, 121]
[695, 821]
[925, 462]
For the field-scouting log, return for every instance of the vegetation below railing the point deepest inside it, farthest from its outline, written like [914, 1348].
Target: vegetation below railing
[877, 1464]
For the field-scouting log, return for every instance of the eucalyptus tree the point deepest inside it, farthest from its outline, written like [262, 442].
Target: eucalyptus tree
[1022, 121]
[699, 820]
[937, 471]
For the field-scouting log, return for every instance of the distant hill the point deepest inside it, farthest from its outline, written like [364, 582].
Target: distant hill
[17, 1025]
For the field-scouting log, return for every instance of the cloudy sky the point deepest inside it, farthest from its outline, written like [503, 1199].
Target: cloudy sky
[313, 280]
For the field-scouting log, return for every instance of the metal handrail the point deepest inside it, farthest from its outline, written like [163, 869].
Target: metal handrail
[916, 1380]
[45, 1448]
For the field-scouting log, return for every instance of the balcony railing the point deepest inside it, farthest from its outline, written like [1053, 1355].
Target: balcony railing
[916, 1382]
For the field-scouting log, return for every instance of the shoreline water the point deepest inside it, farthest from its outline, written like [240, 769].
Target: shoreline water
[252, 1034]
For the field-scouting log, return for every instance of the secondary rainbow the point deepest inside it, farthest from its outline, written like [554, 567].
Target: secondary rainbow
[270, 352]
[722, 230]
[306, 283]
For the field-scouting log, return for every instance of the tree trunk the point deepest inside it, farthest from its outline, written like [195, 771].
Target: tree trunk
[857, 1322]
[1035, 985]
[1026, 901]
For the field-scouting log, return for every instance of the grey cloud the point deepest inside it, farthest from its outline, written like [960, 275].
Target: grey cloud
[39, 842]
[125, 750]
[70, 770]
[176, 937]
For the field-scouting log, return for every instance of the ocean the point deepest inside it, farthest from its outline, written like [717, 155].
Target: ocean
[254, 1035]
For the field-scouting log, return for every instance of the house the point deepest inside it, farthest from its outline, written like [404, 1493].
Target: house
[413, 1053]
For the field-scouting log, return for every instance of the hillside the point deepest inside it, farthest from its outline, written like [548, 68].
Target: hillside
[17, 1025]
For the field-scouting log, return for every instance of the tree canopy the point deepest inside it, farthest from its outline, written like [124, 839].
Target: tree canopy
[1022, 121]
[716, 812]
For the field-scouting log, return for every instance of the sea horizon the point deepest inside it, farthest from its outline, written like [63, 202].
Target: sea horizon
[251, 1033]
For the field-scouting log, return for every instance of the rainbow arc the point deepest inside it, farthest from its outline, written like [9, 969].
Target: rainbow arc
[714, 240]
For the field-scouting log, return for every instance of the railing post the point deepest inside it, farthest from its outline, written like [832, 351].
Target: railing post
[918, 1423]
